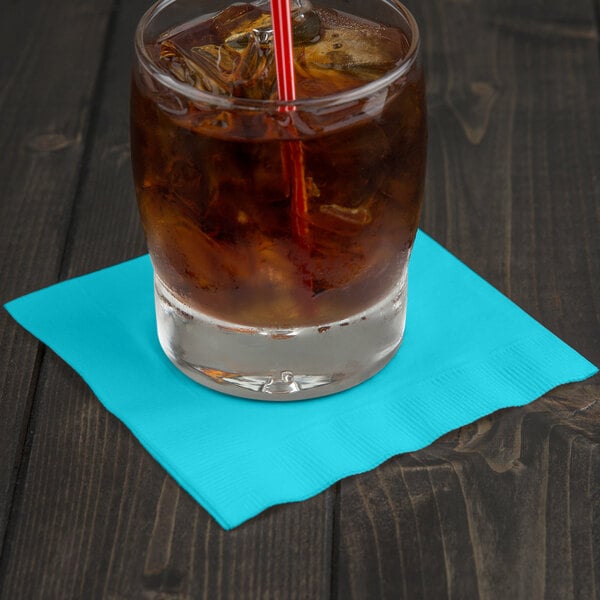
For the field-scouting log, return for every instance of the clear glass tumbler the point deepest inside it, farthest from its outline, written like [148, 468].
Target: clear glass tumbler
[280, 232]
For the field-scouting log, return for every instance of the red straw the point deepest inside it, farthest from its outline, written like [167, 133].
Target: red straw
[293, 157]
[284, 49]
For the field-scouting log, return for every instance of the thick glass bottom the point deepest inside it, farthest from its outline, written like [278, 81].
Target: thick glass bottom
[280, 364]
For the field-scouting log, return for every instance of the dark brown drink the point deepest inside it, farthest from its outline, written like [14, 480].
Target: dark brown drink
[259, 215]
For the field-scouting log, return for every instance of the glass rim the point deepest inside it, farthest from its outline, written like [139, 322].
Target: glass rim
[204, 97]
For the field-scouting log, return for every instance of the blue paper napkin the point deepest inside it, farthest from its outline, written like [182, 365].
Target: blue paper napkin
[467, 352]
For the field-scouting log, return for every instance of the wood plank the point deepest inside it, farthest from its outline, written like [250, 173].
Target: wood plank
[112, 524]
[506, 507]
[97, 518]
[45, 110]
[100, 519]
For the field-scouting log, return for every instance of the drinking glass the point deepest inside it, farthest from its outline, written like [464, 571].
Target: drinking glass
[279, 232]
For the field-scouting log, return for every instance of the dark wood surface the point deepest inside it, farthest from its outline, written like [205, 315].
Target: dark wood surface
[508, 507]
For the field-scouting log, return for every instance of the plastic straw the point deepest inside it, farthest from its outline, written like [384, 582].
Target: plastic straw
[293, 157]
[284, 49]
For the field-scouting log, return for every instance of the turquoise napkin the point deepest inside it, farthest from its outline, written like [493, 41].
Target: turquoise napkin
[467, 352]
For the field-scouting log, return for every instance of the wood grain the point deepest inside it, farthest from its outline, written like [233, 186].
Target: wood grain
[45, 112]
[112, 524]
[504, 508]
[508, 507]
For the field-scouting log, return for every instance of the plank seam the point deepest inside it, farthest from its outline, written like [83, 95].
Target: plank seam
[335, 540]
[97, 93]
[25, 442]
[27, 431]
[596, 13]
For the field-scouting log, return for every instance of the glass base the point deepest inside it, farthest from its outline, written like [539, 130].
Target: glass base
[280, 364]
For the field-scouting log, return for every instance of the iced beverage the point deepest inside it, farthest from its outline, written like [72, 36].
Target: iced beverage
[279, 232]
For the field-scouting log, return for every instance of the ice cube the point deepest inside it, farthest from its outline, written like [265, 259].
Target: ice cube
[339, 223]
[204, 68]
[358, 216]
[235, 17]
[241, 23]
[254, 74]
[248, 72]
[333, 51]
[349, 176]
[352, 45]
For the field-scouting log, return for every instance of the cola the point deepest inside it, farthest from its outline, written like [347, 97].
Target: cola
[275, 218]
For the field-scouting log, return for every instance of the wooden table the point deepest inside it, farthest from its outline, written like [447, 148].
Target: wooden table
[508, 507]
